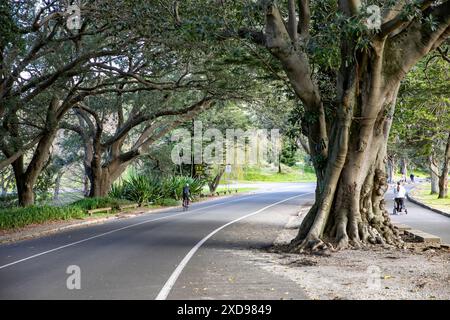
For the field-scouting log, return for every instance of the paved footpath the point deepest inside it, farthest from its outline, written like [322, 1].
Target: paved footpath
[421, 218]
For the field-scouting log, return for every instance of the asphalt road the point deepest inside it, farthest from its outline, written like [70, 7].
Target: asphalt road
[421, 218]
[158, 255]
[133, 258]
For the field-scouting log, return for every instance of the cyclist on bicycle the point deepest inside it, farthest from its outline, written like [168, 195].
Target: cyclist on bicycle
[186, 195]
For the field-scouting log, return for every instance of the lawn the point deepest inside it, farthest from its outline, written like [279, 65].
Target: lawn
[422, 193]
[288, 174]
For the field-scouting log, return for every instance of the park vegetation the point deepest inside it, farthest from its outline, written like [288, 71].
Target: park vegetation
[103, 98]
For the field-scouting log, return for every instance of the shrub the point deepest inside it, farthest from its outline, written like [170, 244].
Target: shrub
[168, 202]
[20, 217]
[8, 201]
[144, 189]
[95, 203]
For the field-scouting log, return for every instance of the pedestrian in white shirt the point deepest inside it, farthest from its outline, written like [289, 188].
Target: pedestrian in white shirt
[400, 194]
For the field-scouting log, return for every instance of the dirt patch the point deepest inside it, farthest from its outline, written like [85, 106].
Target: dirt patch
[418, 271]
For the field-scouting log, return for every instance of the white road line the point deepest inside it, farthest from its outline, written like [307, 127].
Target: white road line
[119, 229]
[162, 295]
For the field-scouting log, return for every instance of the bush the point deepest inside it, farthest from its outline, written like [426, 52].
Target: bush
[8, 201]
[140, 189]
[144, 189]
[20, 217]
[168, 202]
[95, 203]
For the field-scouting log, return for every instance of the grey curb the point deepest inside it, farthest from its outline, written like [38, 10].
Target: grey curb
[415, 201]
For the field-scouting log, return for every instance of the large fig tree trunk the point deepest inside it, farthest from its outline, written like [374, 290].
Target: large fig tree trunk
[348, 145]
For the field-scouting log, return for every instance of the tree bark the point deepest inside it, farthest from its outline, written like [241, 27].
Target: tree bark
[26, 178]
[443, 179]
[57, 185]
[215, 183]
[404, 168]
[434, 175]
[390, 169]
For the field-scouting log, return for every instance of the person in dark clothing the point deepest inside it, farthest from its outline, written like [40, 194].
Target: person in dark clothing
[186, 195]
[412, 177]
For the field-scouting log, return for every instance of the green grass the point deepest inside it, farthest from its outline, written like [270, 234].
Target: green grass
[422, 193]
[13, 218]
[271, 175]
[239, 190]
[94, 203]
[21, 217]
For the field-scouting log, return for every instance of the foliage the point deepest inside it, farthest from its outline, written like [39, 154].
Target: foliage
[19, 217]
[145, 189]
[422, 117]
[104, 202]
[8, 201]
[167, 202]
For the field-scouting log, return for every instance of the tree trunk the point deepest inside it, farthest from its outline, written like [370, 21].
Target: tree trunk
[279, 162]
[57, 185]
[101, 177]
[390, 169]
[434, 175]
[215, 183]
[350, 207]
[100, 184]
[404, 168]
[86, 185]
[348, 140]
[443, 179]
[23, 184]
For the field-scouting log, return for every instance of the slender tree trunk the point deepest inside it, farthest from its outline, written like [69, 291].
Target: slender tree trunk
[404, 168]
[86, 185]
[434, 175]
[279, 163]
[443, 179]
[390, 169]
[57, 185]
[215, 183]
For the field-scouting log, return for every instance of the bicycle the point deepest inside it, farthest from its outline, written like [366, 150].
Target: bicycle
[185, 204]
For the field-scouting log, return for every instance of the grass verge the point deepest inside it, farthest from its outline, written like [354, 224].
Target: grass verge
[422, 193]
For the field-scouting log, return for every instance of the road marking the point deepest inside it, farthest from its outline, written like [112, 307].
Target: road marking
[162, 295]
[119, 229]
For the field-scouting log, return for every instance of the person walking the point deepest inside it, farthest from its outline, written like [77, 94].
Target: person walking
[400, 194]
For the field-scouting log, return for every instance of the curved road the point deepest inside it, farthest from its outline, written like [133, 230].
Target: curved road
[162, 255]
[132, 258]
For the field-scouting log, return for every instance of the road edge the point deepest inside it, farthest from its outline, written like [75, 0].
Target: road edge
[8, 239]
[417, 202]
